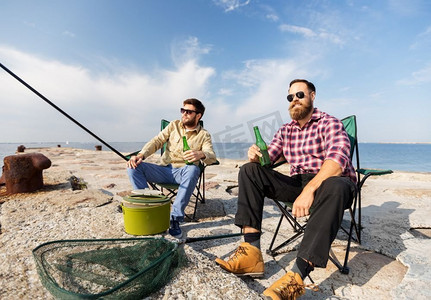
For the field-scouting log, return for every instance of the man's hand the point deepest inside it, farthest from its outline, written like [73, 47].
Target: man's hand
[254, 153]
[302, 204]
[134, 161]
[193, 155]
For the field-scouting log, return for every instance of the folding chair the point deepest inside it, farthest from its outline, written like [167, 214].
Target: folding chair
[170, 190]
[349, 124]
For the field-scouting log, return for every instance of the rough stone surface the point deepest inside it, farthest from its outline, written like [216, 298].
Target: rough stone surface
[23, 173]
[2, 180]
[391, 263]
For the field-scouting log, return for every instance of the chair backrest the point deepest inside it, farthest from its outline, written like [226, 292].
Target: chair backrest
[351, 128]
[349, 124]
[163, 124]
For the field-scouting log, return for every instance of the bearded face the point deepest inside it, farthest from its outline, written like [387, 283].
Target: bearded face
[300, 108]
[189, 116]
[190, 120]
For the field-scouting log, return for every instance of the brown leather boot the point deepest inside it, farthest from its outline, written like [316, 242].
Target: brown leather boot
[288, 287]
[246, 260]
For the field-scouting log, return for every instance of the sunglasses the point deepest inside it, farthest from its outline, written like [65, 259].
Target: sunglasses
[299, 95]
[187, 111]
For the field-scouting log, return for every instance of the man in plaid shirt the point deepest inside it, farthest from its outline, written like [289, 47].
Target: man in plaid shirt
[322, 179]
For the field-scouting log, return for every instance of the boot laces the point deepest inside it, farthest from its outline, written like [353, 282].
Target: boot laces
[292, 289]
[238, 252]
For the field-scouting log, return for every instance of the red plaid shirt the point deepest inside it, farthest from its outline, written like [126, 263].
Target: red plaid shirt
[305, 149]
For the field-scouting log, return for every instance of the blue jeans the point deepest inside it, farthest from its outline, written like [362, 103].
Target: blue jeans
[187, 178]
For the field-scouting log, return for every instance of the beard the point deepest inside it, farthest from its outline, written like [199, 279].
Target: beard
[189, 122]
[300, 112]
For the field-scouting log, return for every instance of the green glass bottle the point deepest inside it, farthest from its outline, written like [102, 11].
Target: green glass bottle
[185, 148]
[264, 160]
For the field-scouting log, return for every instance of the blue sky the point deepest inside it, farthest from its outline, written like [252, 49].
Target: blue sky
[118, 67]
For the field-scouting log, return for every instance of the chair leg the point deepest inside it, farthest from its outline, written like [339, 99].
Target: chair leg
[345, 269]
[203, 186]
[359, 229]
[269, 251]
[298, 228]
[198, 193]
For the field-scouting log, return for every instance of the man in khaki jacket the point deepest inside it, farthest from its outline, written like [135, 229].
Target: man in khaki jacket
[173, 168]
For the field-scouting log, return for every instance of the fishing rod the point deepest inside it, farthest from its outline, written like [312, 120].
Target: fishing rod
[61, 111]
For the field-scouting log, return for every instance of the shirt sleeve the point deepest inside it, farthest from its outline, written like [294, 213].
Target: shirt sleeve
[207, 149]
[337, 143]
[275, 148]
[156, 142]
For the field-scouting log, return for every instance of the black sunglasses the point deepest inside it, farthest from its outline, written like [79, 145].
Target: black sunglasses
[187, 111]
[299, 94]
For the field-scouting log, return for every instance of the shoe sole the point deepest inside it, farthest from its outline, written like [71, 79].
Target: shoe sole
[254, 275]
[251, 274]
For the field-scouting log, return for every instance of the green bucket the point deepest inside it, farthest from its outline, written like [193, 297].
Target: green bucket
[145, 215]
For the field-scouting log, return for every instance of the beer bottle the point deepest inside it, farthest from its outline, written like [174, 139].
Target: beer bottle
[264, 160]
[185, 148]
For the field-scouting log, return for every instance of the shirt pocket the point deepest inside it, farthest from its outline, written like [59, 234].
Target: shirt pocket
[175, 143]
[195, 142]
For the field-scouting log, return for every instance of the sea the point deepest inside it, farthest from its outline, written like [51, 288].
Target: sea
[397, 157]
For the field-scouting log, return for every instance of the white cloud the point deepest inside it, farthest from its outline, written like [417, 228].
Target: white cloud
[273, 17]
[266, 83]
[189, 49]
[307, 32]
[422, 40]
[225, 92]
[407, 8]
[426, 32]
[230, 5]
[126, 104]
[269, 12]
[68, 34]
[418, 77]
[123, 104]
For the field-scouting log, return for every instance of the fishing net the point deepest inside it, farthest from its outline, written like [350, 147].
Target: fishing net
[108, 268]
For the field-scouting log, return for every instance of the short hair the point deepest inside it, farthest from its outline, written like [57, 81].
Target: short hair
[310, 85]
[200, 108]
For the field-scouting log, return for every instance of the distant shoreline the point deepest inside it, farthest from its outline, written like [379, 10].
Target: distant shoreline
[410, 157]
[98, 143]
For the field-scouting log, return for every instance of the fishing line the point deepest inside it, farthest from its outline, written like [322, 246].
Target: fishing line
[61, 111]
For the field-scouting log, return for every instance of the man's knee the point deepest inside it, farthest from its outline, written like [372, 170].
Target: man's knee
[249, 169]
[334, 183]
[192, 170]
[338, 187]
[130, 171]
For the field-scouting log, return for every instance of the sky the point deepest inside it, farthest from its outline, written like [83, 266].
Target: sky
[118, 67]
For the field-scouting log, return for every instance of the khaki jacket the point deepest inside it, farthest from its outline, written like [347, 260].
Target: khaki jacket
[198, 139]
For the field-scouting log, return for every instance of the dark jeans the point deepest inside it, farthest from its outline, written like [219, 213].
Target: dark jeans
[331, 199]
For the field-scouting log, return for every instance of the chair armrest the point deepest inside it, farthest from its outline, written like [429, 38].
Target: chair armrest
[370, 172]
[128, 156]
[216, 163]
[374, 172]
[278, 163]
[202, 166]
